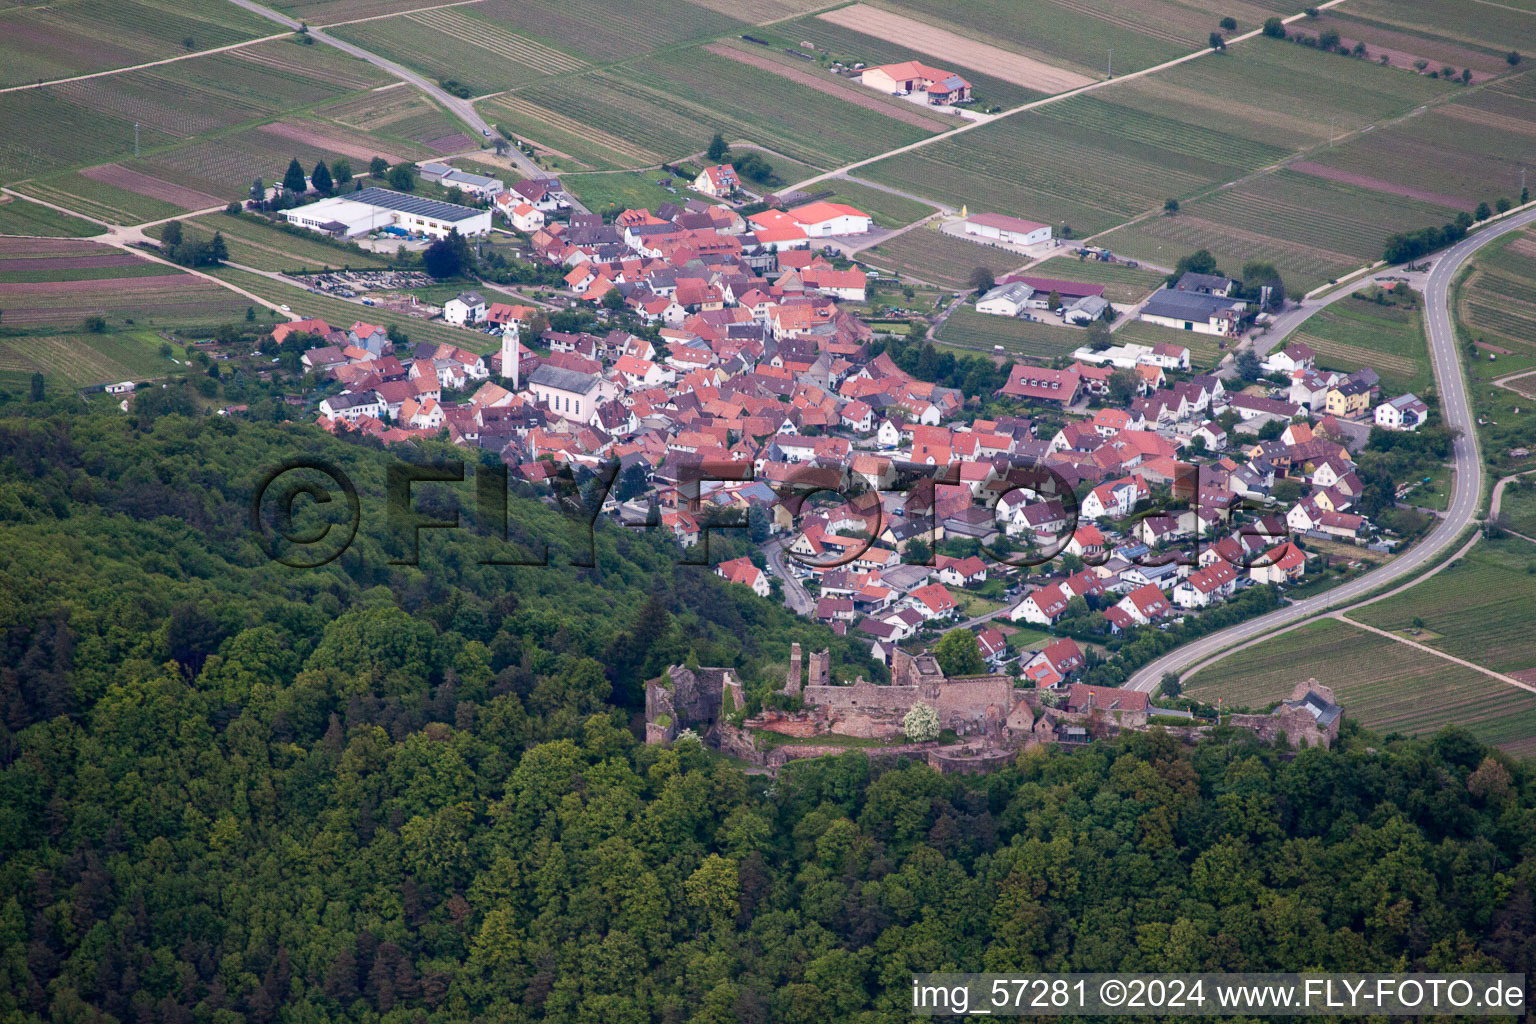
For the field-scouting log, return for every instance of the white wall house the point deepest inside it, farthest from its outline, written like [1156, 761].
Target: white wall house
[464, 308]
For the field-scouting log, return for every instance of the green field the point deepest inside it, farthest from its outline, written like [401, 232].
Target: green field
[1480, 607]
[1312, 229]
[1121, 283]
[43, 42]
[400, 113]
[667, 107]
[19, 217]
[1098, 160]
[1386, 685]
[1205, 350]
[625, 190]
[1518, 506]
[1497, 301]
[79, 360]
[1495, 28]
[889, 211]
[1353, 333]
[967, 328]
[92, 121]
[98, 199]
[254, 243]
[930, 255]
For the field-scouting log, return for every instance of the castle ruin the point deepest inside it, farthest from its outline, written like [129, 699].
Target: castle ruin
[990, 717]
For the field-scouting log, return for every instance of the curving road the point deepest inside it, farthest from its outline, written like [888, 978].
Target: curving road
[1466, 486]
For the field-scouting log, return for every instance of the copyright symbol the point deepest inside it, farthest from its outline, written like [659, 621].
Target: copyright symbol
[1112, 993]
[319, 543]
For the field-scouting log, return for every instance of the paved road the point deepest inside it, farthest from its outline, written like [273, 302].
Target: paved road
[463, 109]
[796, 598]
[1466, 487]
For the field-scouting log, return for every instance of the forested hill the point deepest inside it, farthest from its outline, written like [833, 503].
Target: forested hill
[237, 791]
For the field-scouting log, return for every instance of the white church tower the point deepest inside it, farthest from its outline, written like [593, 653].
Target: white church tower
[511, 352]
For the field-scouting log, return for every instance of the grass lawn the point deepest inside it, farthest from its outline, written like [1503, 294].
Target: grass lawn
[1388, 686]
[1205, 350]
[19, 217]
[889, 211]
[1480, 606]
[1518, 507]
[1121, 283]
[626, 190]
[930, 255]
[974, 604]
[980, 332]
[1353, 333]
[1027, 638]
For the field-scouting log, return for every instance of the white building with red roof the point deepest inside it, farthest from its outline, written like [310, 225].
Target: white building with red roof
[997, 227]
[939, 86]
[824, 220]
[718, 181]
[741, 570]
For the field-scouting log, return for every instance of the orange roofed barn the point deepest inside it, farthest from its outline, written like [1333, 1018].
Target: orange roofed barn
[911, 76]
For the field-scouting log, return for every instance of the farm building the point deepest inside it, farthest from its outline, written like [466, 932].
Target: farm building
[1005, 299]
[910, 76]
[374, 209]
[1068, 291]
[996, 227]
[1194, 311]
[824, 219]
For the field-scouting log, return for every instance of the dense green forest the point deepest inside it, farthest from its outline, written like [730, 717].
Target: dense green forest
[237, 791]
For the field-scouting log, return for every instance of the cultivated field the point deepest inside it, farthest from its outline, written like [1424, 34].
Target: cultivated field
[19, 217]
[400, 113]
[1098, 160]
[1041, 342]
[133, 295]
[79, 360]
[455, 43]
[1079, 34]
[329, 12]
[846, 89]
[1518, 506]
[1121, 283]
[254, 243]
[835, 43]
[92, 121]
[43, 42]
[1388, 686]
[1497, 301]
[97, 199]
[1312, 229]
[1496, 28]
[947, 46]
[1479, 609]
[668, 106]
[1353, 333]
[930, 255]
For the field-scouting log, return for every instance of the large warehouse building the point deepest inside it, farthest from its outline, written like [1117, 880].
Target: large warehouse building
[375, 209]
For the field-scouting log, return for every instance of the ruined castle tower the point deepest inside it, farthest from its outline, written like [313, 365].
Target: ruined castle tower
[821, 668]
[792, 680]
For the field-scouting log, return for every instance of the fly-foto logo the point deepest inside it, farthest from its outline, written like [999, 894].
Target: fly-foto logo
[306, 512]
